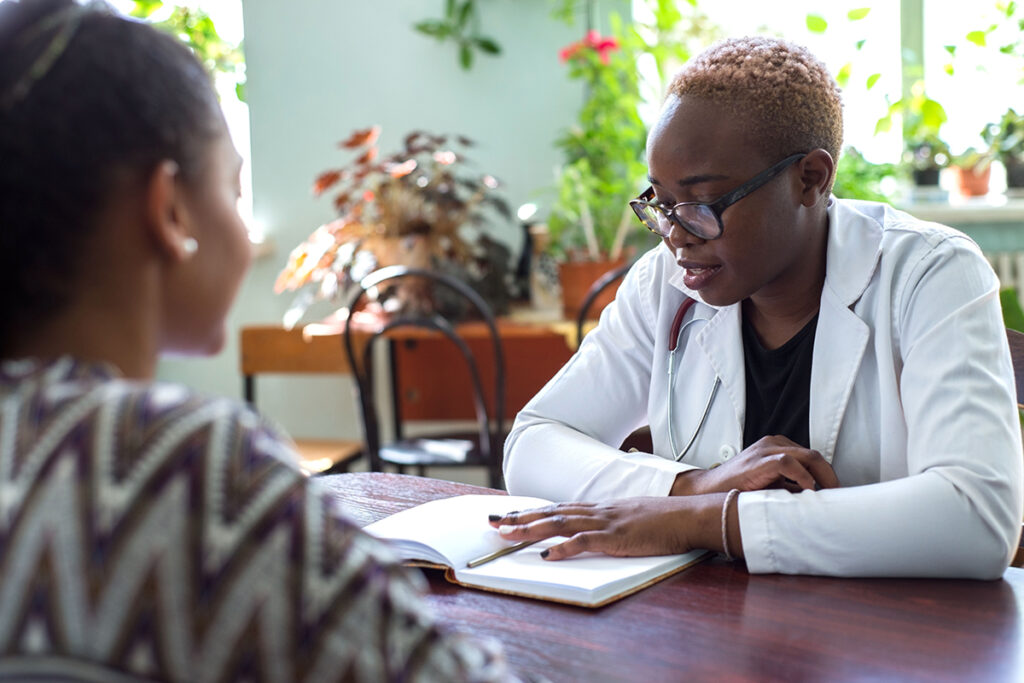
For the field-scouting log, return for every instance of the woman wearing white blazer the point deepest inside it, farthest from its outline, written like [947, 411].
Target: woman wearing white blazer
[902, 394]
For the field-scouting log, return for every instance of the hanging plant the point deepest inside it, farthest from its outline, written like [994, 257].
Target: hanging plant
[460, 25]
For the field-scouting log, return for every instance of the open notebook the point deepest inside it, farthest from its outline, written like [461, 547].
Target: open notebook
[450, 532]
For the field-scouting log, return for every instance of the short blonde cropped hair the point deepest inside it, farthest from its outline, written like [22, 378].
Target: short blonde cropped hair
[788, 96]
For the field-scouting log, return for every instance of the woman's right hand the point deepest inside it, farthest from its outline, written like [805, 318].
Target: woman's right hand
[770, 462]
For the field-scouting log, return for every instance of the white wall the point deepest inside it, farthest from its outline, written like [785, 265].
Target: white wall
[318, 69]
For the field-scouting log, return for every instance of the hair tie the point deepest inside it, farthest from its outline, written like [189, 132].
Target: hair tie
[66, 20]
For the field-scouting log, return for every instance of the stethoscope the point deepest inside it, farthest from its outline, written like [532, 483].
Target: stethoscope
[675, 334]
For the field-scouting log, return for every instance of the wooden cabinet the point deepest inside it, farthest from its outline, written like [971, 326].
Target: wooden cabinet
[433, 382]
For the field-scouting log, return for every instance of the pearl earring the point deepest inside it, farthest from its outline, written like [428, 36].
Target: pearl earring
[189, 245]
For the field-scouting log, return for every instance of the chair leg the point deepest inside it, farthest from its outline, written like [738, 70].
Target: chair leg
[495, 477]
[421, 470]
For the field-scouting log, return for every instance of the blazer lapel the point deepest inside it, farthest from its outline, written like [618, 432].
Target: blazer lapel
[854, 247]
[839, 343]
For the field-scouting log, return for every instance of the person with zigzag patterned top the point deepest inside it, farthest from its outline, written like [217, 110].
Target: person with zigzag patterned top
[147, 532]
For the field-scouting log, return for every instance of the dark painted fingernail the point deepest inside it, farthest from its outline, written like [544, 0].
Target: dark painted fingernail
[493, 518]
[544, 553]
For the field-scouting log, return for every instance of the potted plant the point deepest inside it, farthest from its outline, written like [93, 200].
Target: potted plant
[858, 178]
[973, 169]
[1005, 139]
[603, 167]
[592, 229]
[420, 206]
[925, 153]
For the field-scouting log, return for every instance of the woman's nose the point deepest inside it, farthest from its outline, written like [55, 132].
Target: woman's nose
[680, 237]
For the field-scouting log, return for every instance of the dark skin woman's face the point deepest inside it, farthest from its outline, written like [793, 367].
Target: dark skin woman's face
[772, 239]
[205, 287]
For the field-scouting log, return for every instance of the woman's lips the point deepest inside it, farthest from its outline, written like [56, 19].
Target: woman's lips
[697, 275]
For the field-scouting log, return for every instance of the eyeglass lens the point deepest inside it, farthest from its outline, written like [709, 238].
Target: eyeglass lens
[696, 218]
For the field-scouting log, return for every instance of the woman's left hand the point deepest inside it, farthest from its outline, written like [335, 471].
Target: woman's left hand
[628, 527]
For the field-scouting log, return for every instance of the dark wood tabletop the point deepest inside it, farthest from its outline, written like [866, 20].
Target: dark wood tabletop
[716, 621]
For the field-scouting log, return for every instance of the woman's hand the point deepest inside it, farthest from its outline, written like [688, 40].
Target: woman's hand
[770, 462]
[628, 527]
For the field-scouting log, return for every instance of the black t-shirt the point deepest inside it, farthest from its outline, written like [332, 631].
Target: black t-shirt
[778, 386]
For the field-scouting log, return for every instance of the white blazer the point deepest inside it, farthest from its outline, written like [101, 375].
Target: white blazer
[912, 402]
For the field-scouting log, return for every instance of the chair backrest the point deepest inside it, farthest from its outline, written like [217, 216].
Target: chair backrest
[1016, 340]
[600, 284]
[271, 349]
[362, 368]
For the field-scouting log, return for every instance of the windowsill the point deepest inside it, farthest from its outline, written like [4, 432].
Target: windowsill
[992, 208]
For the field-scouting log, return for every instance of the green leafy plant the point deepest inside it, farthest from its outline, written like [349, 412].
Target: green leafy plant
[818, 24]
[974, 159]
[461, 25]
[196, 29]
[1004, 33]
[603, 152]
[1005, 139]
[922, 118]
[858, 178]
[1013, 315]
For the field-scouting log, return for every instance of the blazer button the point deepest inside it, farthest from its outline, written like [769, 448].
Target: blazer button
[726, 451]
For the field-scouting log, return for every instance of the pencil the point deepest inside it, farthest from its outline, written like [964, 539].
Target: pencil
[498, 553]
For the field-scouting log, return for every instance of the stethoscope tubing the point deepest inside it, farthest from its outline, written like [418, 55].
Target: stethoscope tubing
[675, 334]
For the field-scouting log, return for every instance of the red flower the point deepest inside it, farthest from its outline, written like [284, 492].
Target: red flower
[569, 51]
[592, 41]
[601, 45]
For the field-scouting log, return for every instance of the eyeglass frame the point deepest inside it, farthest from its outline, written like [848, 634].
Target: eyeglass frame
[717, 207]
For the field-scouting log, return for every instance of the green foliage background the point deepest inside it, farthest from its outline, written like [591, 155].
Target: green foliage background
[196, 29]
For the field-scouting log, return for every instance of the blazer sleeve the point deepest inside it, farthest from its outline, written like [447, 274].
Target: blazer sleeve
[957, 513]
[563, 444]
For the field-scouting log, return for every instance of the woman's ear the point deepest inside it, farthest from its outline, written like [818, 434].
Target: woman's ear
[166, 214]
[816, 174]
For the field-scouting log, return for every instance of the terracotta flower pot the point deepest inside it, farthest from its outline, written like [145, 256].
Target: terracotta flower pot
[973, 182]
[576, 278]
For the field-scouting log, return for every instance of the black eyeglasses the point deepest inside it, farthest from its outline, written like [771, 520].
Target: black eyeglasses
[697, 218]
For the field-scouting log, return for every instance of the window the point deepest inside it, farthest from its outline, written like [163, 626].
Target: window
[227, 17]
[984, 82]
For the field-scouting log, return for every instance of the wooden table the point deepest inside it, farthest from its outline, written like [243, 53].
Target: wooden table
[717, 622]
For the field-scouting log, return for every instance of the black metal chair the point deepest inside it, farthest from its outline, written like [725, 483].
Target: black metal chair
[481, 448]
[600, 285]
